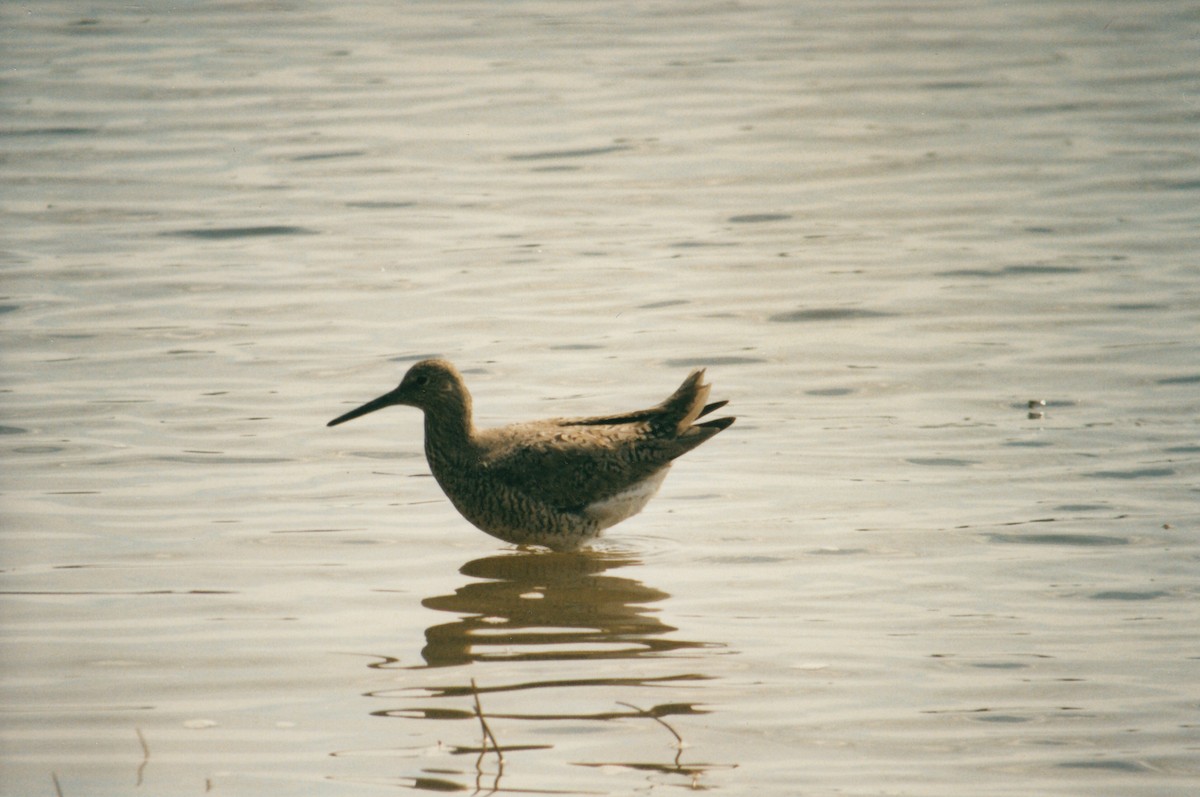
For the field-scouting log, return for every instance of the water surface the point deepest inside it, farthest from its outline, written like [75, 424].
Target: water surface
[885, 229]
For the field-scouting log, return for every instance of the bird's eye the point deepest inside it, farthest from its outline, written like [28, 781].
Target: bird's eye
[421, 381]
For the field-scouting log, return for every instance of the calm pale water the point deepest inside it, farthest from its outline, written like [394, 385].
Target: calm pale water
[885, 229]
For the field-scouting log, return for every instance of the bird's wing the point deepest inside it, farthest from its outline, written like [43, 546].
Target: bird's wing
[570, 463]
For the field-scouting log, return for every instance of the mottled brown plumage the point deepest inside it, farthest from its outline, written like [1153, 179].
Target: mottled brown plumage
[557, 482]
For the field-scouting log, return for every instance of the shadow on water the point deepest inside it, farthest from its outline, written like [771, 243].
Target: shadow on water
[527, 608]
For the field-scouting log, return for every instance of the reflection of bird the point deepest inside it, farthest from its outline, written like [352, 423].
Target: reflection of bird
[549, 607]
[558, 482]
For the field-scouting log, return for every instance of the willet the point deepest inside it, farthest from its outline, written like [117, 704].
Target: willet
[558, 482]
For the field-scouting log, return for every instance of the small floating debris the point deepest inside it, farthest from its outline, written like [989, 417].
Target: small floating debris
[1037, 409]
[199, 724]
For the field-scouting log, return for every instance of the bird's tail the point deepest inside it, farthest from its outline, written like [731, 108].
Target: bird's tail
[681, 410]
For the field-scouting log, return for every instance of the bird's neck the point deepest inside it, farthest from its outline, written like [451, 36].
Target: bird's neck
[449, 429]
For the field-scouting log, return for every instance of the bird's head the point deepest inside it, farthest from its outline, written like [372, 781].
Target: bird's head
[428, 385]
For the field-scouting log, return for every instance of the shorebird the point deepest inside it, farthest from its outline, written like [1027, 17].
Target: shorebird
[558, 482]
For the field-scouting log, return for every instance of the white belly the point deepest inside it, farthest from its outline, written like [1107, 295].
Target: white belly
[625, 504]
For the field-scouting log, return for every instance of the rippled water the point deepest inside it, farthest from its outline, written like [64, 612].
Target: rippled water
[885, 230]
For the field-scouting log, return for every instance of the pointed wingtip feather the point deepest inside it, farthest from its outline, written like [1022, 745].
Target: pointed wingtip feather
[695, 392]
[718, 423]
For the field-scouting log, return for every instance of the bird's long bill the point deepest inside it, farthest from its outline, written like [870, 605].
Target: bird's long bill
[386, 400]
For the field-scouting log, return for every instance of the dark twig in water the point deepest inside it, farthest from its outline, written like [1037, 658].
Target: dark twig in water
[57, 788]
[679, 742]
[141, 770]
[487, 732]
[657, 719]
